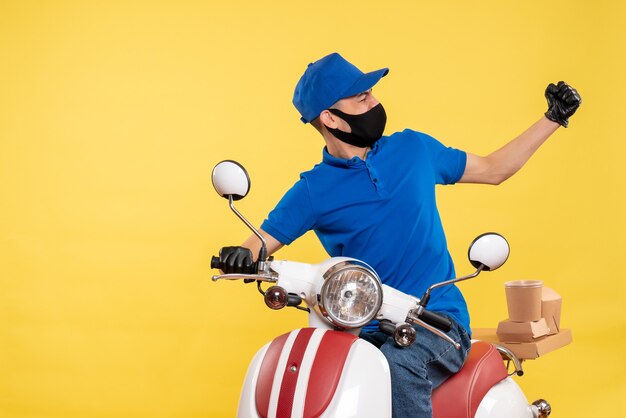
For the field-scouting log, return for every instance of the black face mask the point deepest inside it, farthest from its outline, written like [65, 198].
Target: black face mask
[367, 128]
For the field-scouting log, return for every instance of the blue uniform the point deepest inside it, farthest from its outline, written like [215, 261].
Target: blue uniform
[382, 211]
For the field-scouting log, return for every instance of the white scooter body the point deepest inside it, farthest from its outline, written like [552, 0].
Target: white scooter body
[363, 390]
[505, 399]
[364, 387]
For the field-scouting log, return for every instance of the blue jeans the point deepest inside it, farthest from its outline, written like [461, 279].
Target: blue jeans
[420, 368]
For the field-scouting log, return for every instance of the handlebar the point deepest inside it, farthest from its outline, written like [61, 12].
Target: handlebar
[436, 320]
[433, 322]
[216, 263]
[247, 277]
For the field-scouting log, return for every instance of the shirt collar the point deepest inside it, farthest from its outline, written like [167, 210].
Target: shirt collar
[342, 162]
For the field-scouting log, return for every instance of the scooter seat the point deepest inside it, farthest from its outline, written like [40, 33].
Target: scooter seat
[460, 395]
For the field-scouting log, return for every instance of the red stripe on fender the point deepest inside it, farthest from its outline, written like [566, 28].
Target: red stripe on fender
[266, 374]
[292, 370]
[326, 371]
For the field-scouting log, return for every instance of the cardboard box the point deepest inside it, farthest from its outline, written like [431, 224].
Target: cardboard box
[528, 350]
[519, 332]
[551, 309]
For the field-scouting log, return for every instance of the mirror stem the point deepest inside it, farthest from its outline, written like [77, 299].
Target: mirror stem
[263, 250]
[424, 300]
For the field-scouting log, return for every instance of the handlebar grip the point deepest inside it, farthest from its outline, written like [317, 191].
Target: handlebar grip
[215, 262]
[293, 299]
[436, 320]
[386, 326]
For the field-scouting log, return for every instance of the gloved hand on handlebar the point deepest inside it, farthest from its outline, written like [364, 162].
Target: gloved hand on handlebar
[563, 100]
[235, 260]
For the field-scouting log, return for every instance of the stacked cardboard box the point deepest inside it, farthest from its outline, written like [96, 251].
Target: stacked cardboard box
[530, 339]
[551, 309]
[527, 331]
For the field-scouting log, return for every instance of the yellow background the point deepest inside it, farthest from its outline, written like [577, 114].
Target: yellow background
[112, 114]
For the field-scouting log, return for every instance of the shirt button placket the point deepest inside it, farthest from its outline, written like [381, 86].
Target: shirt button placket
[373, 174]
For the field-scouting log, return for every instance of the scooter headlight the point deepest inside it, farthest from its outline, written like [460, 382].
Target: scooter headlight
[351, 294]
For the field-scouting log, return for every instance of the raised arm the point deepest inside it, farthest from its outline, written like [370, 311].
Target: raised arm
[503, 163]
[498, 166]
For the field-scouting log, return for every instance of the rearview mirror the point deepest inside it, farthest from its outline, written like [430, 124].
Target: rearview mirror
[490, 250]
[230, 179]
[487, 253]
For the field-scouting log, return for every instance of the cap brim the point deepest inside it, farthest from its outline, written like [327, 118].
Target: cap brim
[365, 82]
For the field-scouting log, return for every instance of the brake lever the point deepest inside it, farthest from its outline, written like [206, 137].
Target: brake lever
[415, 320]
[264, 277]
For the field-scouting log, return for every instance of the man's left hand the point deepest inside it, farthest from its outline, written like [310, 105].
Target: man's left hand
[563, 100]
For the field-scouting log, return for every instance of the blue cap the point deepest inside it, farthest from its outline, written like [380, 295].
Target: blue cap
[329, 80]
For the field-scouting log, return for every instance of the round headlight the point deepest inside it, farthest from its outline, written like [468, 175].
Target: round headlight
[351, 294]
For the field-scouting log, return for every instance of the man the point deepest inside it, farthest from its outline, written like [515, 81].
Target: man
[373, 198]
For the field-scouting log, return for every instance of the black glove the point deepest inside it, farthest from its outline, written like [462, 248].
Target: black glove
[563, 100]
[236, 260]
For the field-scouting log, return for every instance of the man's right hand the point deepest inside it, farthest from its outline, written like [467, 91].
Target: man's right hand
[236, 260]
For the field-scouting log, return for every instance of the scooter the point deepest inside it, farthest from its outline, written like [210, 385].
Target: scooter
[325, 370]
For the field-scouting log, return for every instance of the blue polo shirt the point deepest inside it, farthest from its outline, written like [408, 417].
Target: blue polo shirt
[382, 211]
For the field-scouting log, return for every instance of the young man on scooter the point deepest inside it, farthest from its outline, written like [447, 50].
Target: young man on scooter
[373, 198]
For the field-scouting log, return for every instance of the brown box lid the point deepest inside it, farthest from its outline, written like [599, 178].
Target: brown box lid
[511, 331]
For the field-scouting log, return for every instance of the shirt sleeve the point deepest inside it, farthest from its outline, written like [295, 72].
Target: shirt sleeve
[448, 163]
[292, 216]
